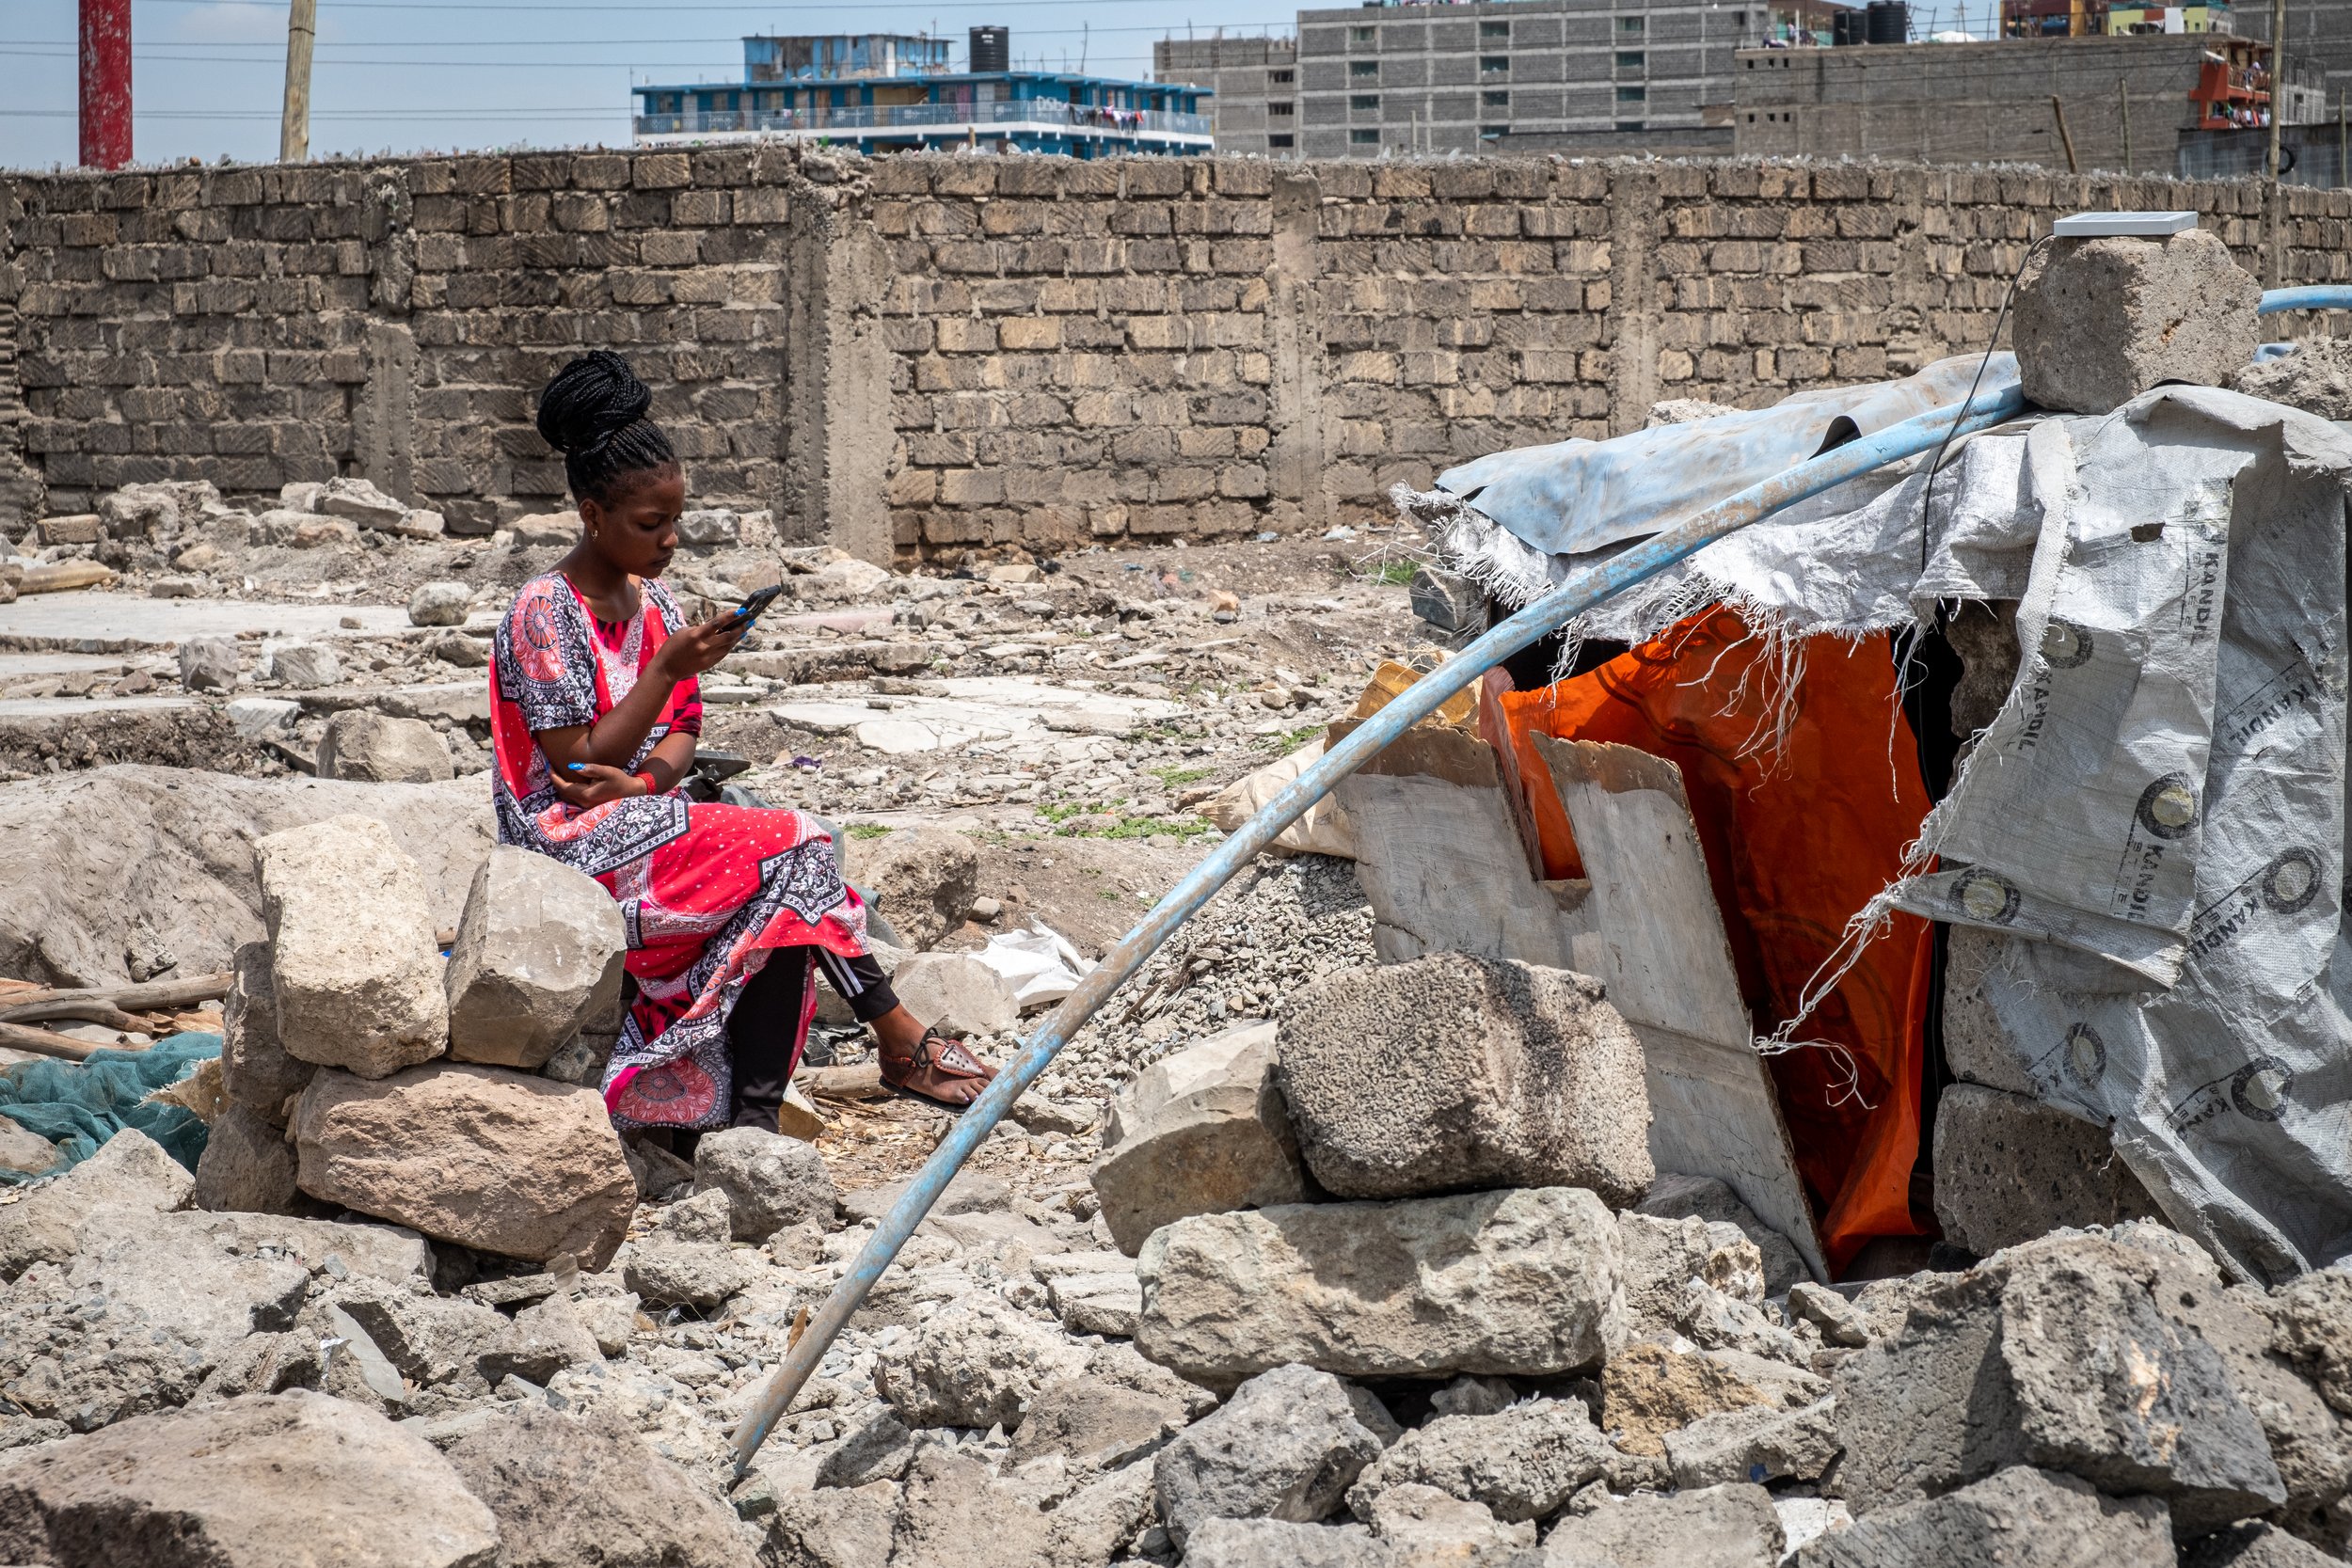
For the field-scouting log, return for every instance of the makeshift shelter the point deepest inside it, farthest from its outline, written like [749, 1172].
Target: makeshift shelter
[2152, 825]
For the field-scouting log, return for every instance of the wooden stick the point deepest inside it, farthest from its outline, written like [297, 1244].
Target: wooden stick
[77, 1010]
[153, 996]
[863, 1082]
[2058, 112]
[41, 1043]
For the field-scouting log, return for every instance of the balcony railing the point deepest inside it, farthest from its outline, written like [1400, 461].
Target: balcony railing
[914, 117]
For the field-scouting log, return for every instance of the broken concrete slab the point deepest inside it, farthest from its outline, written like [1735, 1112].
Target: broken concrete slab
[2055, 1355]
[956, 994]
[1652, 1390]
[2009, 1169]
[1759, 1443]
[1523, 1282]
[1661, 1259]
[368, 747]
[1094, 1423]
[2020, 1514]
[2101, 321]
[1676, 1197]
[246, 1166]
[1201, 1131]
[359, 993]
[770, 1181]
[1428, 1526]
[129, 1181]
[538, 954]
[1285, 1446]
[568, 1490]
[221, 1485]
[1718, 1527]
[1521, 1462]
[255, 1071]
[923, 879]
[1454, 1072]
[977, 1363]
[480, 1156]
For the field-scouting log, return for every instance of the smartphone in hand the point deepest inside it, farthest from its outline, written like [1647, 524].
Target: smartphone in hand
[757, 601]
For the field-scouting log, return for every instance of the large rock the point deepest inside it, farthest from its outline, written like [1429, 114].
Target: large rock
[305, 665]
[2255, 1544]
[770, 1181]
[368, 747]
[480, 1156]
[247, 1164]
[2316, 378]
[977, 1363]
[255, 1071]
[2055, 1355]
[538, 954]
[441, 604]
[1454, 1072]
[437, 1341]
[1089, 1421]
[2101, 321]
[1758, 1444]
[354, 967]
[2020, 1515]
[1675, 1196]
[956, 993]
[1653, 1389]
[209, 664]
[2009, 1169]
[1286, 1445]
[26, 1154]
[169, 850]
[585, 1492]
[923, 879]
[1201, 1132]
[121, 1186]
[668, 1272]
[1719, 1527]
[1661, 1258]
[1522, 1462]
[1523, 1282]
[834, 1526]
[269, 1480]
[1279, 1543]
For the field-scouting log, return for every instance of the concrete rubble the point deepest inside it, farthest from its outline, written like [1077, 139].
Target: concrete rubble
[1290, 1258]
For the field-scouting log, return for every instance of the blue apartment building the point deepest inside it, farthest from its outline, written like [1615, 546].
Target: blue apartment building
[889, 92]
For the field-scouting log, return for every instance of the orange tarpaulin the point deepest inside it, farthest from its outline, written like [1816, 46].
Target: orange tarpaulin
[1799, 835]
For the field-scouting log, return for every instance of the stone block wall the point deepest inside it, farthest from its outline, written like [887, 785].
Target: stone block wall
[930, 355]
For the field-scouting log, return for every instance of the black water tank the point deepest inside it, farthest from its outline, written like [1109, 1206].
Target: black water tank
[1888, 22]
[992, 49]
[1843, 29]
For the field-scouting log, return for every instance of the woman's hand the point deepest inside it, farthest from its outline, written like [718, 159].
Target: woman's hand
[700, 646]
[592, 784]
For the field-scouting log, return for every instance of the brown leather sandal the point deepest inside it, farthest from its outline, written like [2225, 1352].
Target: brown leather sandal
[942, 1074]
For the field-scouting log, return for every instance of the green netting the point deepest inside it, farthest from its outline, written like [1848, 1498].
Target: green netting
[79, 1106]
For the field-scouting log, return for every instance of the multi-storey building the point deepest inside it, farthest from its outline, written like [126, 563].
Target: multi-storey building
[879, 92]
[1255, 81]
[1388, 80]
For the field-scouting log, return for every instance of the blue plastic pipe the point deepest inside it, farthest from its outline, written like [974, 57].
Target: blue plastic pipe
[2314, 296]
[1545, 615]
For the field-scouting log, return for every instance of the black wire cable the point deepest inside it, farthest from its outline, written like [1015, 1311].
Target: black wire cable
[1991, 348]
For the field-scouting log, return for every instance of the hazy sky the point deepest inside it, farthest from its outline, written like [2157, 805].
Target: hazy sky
[405, 75]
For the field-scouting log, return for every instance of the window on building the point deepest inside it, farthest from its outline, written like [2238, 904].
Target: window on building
[1493, 65]
[1631, 95]
[1495, 100]
[1630, 59]
[1364, 101]
[1280, 78]
[1369, 137]
[1281, 111]
[1496, 32]
[1628, 125]
[1629, 25]
[1360, 35]
[1363, 68]
[1492, 133]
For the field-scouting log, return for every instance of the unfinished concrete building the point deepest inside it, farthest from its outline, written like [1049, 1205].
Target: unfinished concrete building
[1255, 81]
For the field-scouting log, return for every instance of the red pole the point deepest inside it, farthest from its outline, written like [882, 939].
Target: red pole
[106, 83]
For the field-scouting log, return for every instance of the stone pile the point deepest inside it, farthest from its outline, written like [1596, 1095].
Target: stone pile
[405, 1084]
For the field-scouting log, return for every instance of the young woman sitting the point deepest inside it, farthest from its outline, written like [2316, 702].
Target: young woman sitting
[729, 909]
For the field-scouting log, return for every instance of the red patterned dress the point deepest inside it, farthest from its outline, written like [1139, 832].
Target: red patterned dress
[708, 893]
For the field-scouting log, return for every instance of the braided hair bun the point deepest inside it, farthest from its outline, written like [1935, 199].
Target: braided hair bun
[594, 412]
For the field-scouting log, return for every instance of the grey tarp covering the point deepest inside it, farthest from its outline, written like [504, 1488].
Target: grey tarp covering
[2157, 815]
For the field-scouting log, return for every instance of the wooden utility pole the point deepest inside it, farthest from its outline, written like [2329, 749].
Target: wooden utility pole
[2123, 108]
[294, 124]
[2058, 112]
[2343, 175]
[2278, 79]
